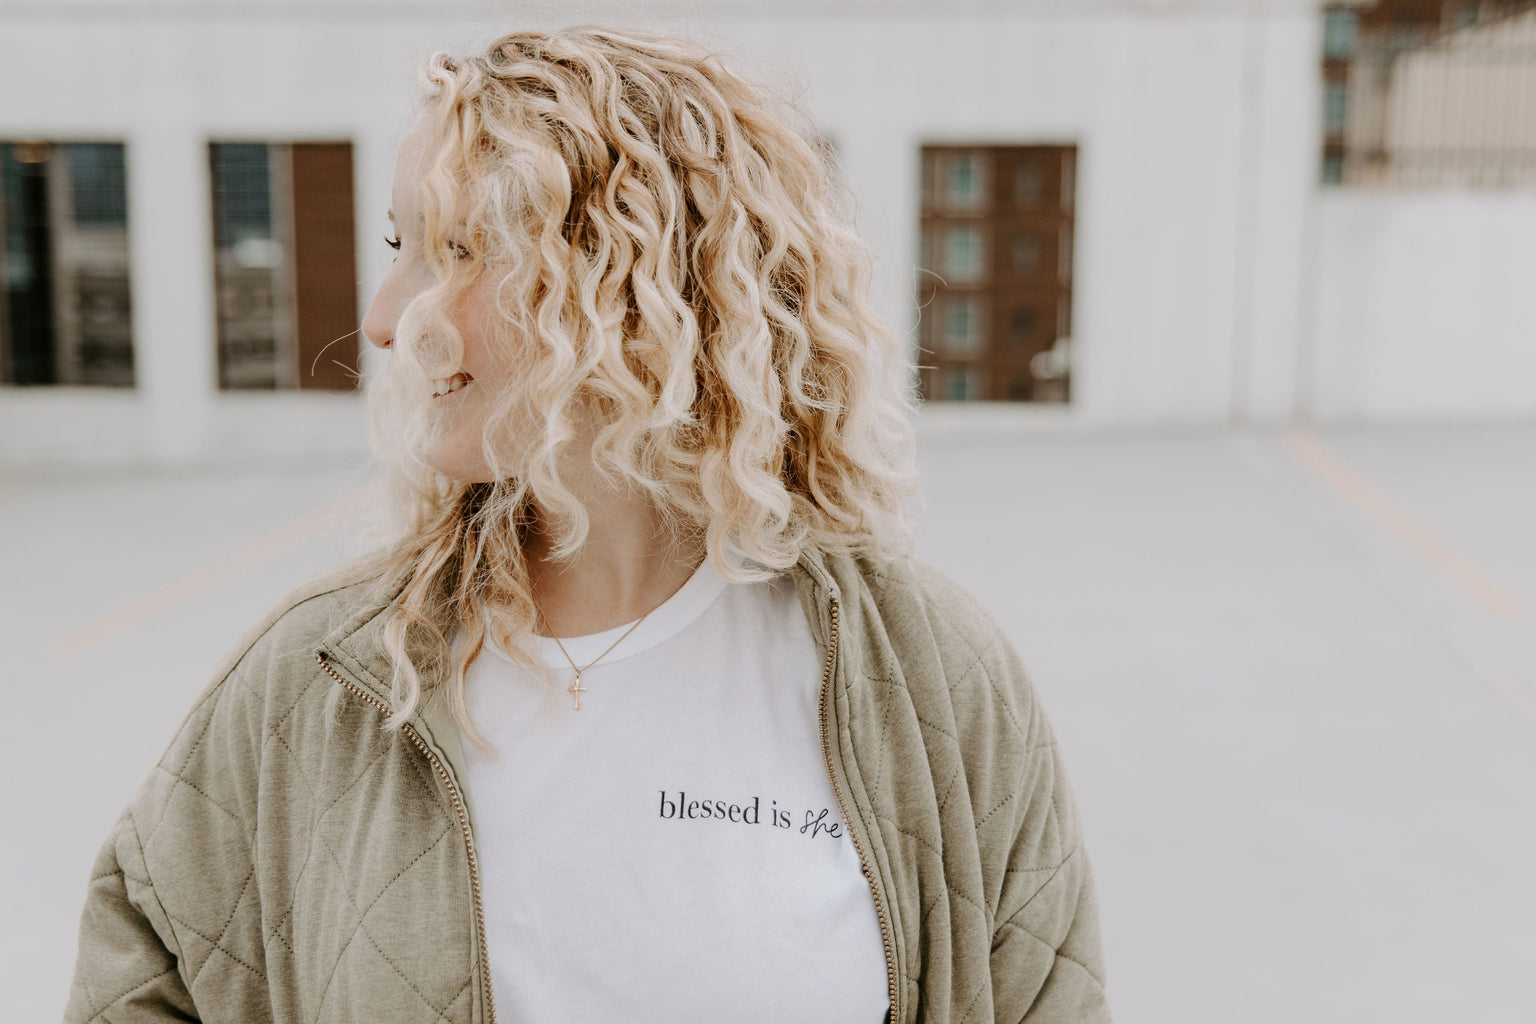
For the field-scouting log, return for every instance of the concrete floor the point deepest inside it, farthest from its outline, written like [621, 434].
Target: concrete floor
[1294, 678]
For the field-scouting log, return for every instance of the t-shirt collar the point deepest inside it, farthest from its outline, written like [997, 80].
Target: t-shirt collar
[663, 622]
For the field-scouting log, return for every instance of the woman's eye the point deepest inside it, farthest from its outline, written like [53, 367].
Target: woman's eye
[393, 243]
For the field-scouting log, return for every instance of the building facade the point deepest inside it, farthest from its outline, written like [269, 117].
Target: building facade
[1105, 213]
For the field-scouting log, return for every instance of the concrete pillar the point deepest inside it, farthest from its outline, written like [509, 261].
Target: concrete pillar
[171, 238]
[1278, 172]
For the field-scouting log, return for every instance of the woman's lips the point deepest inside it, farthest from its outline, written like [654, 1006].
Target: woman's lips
[449, 385]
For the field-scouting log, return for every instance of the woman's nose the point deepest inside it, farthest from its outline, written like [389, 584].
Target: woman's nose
[379, 323]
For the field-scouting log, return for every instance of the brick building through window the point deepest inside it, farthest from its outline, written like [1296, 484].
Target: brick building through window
[995, 287]
[285, 268]
[64, 304]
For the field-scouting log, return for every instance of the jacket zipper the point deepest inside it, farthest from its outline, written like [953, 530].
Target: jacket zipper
[842, 808]
[458, 809]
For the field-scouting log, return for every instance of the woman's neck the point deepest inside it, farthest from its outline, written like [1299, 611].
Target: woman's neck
[630, 563]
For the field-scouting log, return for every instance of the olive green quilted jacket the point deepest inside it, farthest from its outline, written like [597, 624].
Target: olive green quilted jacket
[290, 860]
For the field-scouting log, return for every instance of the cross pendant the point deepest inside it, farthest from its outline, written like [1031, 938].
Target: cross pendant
[576, 690]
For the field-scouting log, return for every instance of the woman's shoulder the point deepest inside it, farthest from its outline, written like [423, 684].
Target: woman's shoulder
[917, 604]
[337, 601]
[276, 658]
[908, 588]
[954, 661]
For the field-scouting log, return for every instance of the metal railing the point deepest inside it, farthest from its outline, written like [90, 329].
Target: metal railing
[1432, 106]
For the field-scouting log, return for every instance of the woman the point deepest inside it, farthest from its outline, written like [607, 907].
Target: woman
[644, 712]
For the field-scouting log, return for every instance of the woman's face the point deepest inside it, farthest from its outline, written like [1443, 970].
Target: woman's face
[463, 399]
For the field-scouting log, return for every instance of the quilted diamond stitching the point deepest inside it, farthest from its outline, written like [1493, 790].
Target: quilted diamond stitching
[144, 846]
[948, 734]
[979, 662]
[892, 684]
[1081, 966]
[277, 733]
[936, 852]
[182, 780]
[277, 933]
[1004, 802]
[101, 1013]
[377, 896]
[1020, 729]
[218, 943]
[309, 851]
[132, 825]
[1053, 822]
[282, 720]
[423, 778]
[277, 927]
[1056, 952]
[1054, 870]
[922, 920]
[320, 817]
[982, 988]
[949, 787]
[216, 947]
[882, 747]
[440, 1013]
[460, 994]
[885, 722]
[165, 801]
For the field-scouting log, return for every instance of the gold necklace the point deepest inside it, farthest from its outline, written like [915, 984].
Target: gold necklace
[576, 689]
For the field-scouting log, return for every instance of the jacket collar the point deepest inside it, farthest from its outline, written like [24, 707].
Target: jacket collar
[356, 643]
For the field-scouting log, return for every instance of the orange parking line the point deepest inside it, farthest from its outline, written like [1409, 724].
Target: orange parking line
[1322, 462]
[242, 559]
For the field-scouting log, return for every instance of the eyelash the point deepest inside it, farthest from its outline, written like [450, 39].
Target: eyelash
[459, 250]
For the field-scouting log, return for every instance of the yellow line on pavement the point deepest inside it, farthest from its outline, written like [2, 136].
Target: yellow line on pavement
[242, 559]
[1323, 462]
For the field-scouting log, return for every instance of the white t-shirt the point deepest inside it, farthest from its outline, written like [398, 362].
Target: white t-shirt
[672, 851]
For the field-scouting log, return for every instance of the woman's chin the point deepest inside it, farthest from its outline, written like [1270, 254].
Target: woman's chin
[458, 462]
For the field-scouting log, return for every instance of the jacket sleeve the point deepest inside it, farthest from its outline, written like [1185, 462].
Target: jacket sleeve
[128, 968]
[1047, 958]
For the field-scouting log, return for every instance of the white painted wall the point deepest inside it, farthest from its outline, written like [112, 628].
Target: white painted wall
[1279, 166]
[1195, 122]
[1426, 306]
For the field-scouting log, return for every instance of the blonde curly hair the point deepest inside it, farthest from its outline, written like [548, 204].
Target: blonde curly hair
[685, 278]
